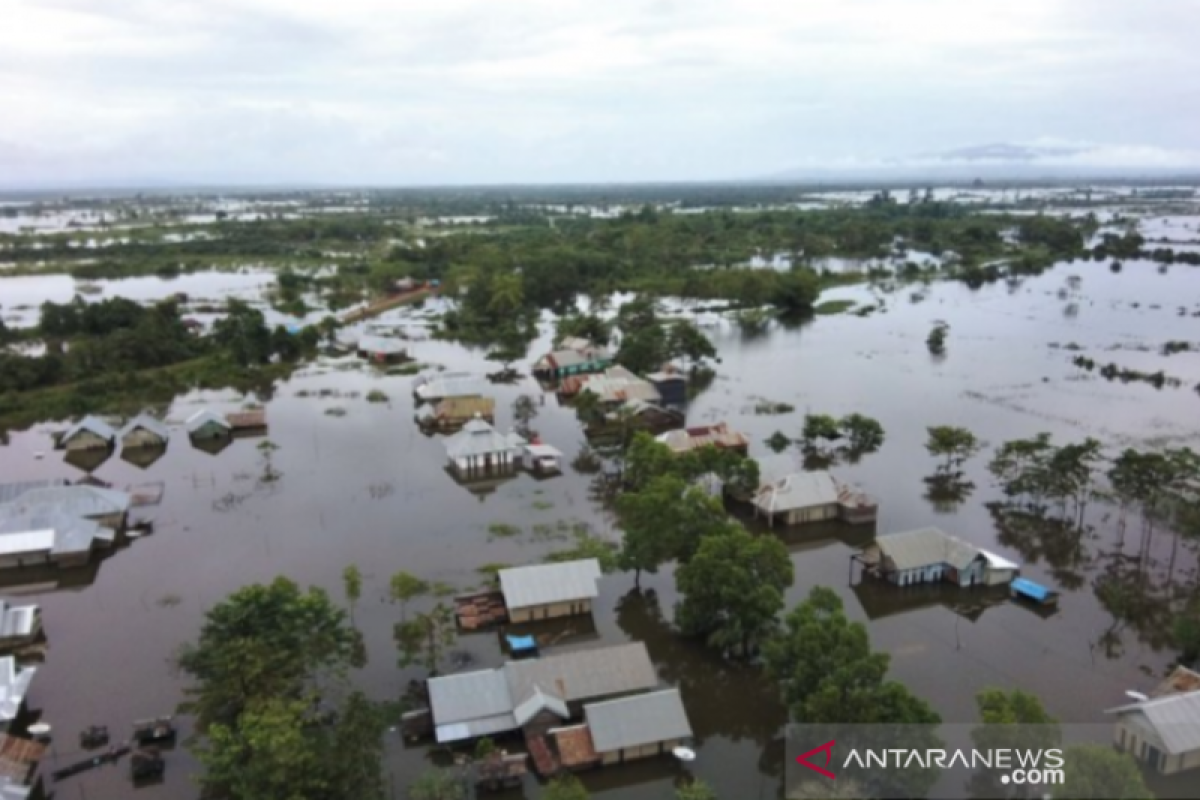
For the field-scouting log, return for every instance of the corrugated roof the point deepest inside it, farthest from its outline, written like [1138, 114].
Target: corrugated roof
[92, 424]
[205, 417]
[798, 490]
[16, 543]
[469, 696]
[148, 423]
[11, 491]
[543, 451]
[29, 531]
[1030, 589]
[1175, 718]
[77, 500]
[464, 407]
[14, 684]
[478, 438]
[719, 435]
[638, 720]
[997, 561]
[537, 702]
[585, 674]
[473, 729]
[451, 386]
[387, 345]
[617, 384]
[549, 583]
[924, 547]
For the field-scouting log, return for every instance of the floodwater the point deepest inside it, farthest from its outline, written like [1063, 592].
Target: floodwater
[368, 488]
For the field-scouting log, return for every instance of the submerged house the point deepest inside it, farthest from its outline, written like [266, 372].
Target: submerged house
[19, 625]
[480, 447]
[541, 459]
[381, 349]
[720, 436]
[205, 424]
[613, 387]
[90, 433]
[574, 356]
[106, 507]
[535, 693]
[20, 759]
[431, 388]
[1162, 732]
[144, 431]
[803, 497]
[14, 685]
[929, 555]
[636, 727]
[454, 412]
[545, 591]
[60, 525]
[672, 386]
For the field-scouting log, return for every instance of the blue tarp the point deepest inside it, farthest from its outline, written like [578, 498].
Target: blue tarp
[1032, 590]
[521, 642]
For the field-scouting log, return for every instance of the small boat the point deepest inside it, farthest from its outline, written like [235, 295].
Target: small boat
[1025, 589]
[39, 729]
[684, 753]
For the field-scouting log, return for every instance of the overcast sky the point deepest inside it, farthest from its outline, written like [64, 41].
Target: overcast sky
[462, 91]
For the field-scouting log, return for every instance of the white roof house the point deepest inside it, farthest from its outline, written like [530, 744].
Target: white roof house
[203, 418]
[147, 423]
[797, 490]
[49, 532]
[543, 584]
[1174, 720]
[91, 424]
[479, 438]
[14, 685]
[76, 500]
[381, 345]
[450, 384]
[18, 622]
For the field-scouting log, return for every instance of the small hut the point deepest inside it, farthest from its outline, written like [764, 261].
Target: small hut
[19, 625]
[205, 424]
[250, 422]
[90, 433]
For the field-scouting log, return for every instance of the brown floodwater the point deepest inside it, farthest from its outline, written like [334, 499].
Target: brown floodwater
[368, 488]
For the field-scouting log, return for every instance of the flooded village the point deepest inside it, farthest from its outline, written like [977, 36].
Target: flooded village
[525, 493]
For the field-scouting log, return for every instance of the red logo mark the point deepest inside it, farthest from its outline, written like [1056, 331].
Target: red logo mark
[826, 748]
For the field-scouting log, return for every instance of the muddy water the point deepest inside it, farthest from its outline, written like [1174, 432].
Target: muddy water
[368, 488]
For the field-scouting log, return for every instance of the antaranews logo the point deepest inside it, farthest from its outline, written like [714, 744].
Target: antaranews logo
[915, 761]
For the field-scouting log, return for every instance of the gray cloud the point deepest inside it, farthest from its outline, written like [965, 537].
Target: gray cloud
[430, 91]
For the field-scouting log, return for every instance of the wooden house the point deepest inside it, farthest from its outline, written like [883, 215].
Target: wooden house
[929, 555]
[672, 386]
[248, 422]
[20, 759]
[90, 433]
[454, 412]
[545, 591]
[144, 431]
[637, 727]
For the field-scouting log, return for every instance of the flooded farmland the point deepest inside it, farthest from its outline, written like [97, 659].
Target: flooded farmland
[360, 484]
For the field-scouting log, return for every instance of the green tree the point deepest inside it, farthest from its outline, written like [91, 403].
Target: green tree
[565, 787]
[651, 519]
[695, 789]
[936, 341]
[819, 430]
[1096, 770]
[1013, 720]
[955, 445]
[438, 784]
[685, 340]
[243, 334]
[863, 434]
[524, 410]
[796, 291]
[733, 589]
[583, 326]
[405, 587]
[424, 639]
[352, 582]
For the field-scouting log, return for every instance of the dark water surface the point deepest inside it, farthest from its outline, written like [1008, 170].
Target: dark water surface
[368, 488]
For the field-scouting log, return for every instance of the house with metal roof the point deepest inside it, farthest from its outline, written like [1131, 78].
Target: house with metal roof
[90, 433]
[542, 459]
[381, 349]
[479, 447]
[928, 555]
[720, 435]
[14, 685]
[19, 762]
[802, 497]
[107, 507]
[48, 537]
[637, 727]
[487, 702]
[1162, 732]
[205, 424]
[574, 356]
[439, 386]
[19, 625]
[454, 412]
[545, 591]
[11, 491]
[614, 387]
[144, 431]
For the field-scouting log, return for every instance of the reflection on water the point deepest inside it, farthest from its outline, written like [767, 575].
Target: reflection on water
[368, 488]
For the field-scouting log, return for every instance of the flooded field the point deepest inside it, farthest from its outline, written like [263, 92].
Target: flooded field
[366, 487]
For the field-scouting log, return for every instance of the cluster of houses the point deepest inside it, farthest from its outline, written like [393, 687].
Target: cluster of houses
[143, 440]
[575, 710]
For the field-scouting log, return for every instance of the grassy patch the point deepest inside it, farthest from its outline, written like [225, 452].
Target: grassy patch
[542, 505]
[376, 396]
[502, 530]
[834, 306]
